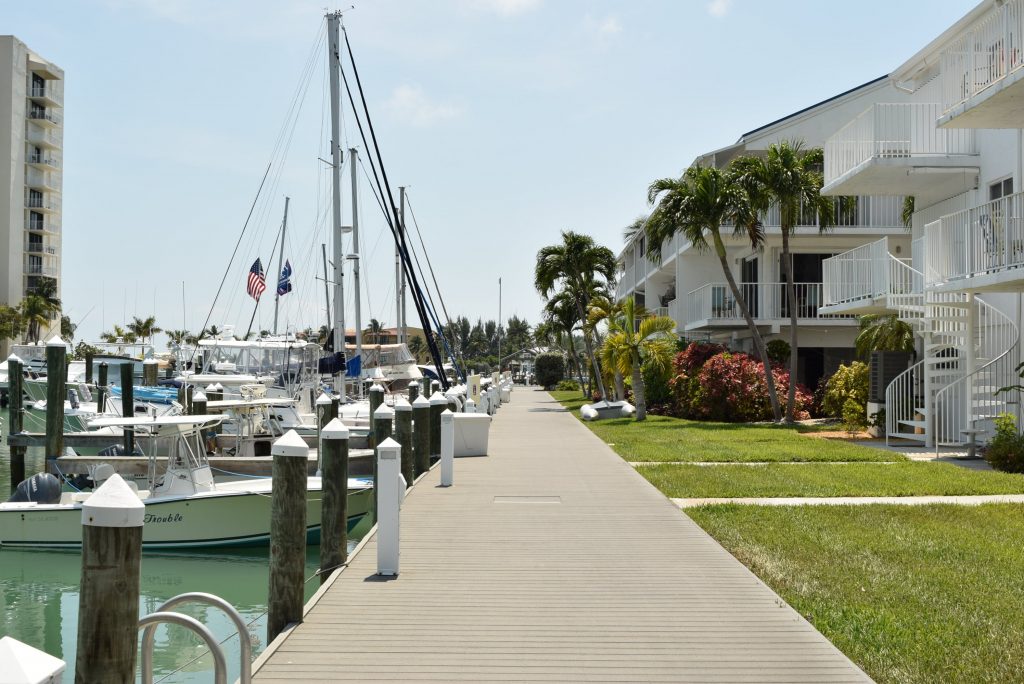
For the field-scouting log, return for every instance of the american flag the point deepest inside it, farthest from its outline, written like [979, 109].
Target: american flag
[257, 282]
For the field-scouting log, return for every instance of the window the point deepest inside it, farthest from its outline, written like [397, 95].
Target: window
[35, 220]
[1000, 189]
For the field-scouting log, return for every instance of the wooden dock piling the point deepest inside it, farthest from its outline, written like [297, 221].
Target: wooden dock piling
[376, 399]
[438, 403]
[128, 405]
[150, 372]
[15, 417]
[403, 435]
[421, 435]
[101, 387]
[414, 391]
[334, 511]
[287, 533]
[108, 603]
[56, 393]
[88, 368]
[382, 420]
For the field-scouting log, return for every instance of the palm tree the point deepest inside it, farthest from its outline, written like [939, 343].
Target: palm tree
[40, 306]
[883, 332]
[604, 309]
[697, 205]
[376, 330]
[561, 321]
[176, 338]
[118, 333]
[144, 328]
[632, 345]
[789, 177]
[579, 267]
[417, 347]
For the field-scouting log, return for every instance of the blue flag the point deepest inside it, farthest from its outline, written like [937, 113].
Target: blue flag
[284, 285]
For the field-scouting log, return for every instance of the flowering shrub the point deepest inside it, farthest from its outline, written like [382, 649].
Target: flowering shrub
[695, 356]
[731, 387]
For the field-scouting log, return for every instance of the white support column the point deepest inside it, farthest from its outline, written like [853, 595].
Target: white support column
[972, 364]
[447, 447]
[390, 494]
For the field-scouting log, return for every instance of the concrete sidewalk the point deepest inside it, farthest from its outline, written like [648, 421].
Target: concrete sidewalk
[551, 560]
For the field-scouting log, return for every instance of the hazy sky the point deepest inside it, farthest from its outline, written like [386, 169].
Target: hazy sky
[510, 120]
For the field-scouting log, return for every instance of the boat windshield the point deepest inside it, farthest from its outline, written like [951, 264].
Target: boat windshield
[289, 364]
[385, 355]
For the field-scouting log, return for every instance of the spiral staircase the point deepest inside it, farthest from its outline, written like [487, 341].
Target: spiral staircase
[950, 397]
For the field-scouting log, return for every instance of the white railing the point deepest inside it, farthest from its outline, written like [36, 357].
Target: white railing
[965, 407]
[44, 225]
[986, 239]
[676, 312]
[627, 281]
[46, 179]
[904, 398]
[39, 269]
[33, 202]
[660, 311]
[892, 130]
[43, 91]
[45, 159]
[41, 248]
[864, 273]
[984, 54]
[43, 136]
[849, 212]
[715, 301]
[39, 115]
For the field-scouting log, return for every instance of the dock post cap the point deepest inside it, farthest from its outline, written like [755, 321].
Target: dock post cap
[447, 416]
[150, 362]
[114, 504]
[290, 444]
[324, 399]
[421, 402]
[384, 411]
[198, 396]
[16, 359]
[402, 404]
[389, 443]
[24, 664]
[218, 386]
[334, 430]
[210, 388]
[55, 341]
[437, 398]
[376, 388]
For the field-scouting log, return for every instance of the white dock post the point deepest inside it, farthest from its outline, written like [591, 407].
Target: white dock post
[447, 447]
[108, 603]
[23, 664]
[390, 494]
[470, 406]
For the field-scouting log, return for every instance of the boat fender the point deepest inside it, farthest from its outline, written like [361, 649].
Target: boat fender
[41, 488]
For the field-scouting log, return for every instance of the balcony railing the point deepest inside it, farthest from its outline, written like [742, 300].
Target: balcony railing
[40, 248]
[890, 131]
[33, 202]
[985, 54]
[715, 301]
[38, 115]
[42, 91]
[866, 273]
[45, 159]
[47, 226]
[43, 179]
[986, 239]
[43, 136]
[39, 269]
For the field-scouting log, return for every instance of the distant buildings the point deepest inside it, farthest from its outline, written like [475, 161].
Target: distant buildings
[32, 137]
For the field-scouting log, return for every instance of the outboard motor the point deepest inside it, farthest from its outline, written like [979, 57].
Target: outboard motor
[42, 488]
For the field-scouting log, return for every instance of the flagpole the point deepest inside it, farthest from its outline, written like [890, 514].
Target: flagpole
[280, 262]
[254, 310]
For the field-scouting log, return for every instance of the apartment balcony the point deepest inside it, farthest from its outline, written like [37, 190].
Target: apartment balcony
[45, 248]
[47, 225]
[48, 181]
[46, 95]
[982, 71]
[40, 270]
[43, 117]
[43, 204]
[867, 279]
[43, 137]
[979, 249]
[896, 149]
[45, 161]
[713, 306]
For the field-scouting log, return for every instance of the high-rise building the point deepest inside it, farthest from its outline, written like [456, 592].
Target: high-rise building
[32, 137]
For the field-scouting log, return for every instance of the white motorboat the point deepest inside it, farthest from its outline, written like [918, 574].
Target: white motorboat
[185, 507]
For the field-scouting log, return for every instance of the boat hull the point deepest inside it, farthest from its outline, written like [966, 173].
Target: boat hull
[217, 519]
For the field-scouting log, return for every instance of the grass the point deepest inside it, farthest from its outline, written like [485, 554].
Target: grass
[824, 479]
[662, 438]
[910, 593]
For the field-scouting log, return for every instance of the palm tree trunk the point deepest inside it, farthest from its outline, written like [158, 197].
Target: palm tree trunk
[620, 386]
[639, 394]
[575, 362]
[590, 353]
[762, 351]
[787, 261]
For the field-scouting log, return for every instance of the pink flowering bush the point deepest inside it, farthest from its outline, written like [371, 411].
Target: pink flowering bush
[730, 386]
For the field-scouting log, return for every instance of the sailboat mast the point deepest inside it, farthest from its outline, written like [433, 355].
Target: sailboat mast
[353, 158]
[327, 288]
[334, 66]
[280, 261]
[399, 325]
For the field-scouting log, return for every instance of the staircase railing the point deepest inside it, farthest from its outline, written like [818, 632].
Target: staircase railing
[902, 397]
[965, 404]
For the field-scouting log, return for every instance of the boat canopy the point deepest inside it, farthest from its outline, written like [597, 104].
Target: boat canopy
[289, 362]
[159, 426]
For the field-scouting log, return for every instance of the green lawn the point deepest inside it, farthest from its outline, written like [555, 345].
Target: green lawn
[910, 593]
[825, 479]
[673, 439]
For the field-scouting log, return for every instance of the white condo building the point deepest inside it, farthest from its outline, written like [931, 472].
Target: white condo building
[946, 128]
[32, 127]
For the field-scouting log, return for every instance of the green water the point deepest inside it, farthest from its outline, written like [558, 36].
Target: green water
[39, 596]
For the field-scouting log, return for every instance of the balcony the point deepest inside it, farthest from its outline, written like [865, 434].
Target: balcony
[44, 162]
[46, 95]
[47, 225]
[979, 249]
[49, 181]
[42, 204]
[43, 117]
[982, 74]
[713, 306]
[866, 278]
[40, 270]
[43, 137]
[896, 149]
[42, 248]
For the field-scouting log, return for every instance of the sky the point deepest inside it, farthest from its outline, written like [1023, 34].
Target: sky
[508, 120]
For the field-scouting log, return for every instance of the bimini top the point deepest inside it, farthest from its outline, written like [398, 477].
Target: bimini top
[262, 343]
[159, 425]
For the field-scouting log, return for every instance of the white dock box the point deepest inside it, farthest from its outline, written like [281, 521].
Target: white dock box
[471, 434]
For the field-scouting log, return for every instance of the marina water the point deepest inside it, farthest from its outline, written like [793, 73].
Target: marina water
[39, 596]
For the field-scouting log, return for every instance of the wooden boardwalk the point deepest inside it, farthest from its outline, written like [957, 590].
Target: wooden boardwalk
[551, 560]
